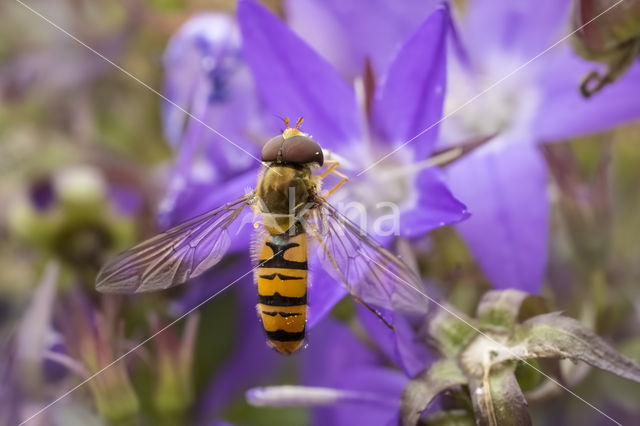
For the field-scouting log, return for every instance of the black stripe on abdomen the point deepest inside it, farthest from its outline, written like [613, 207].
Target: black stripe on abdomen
[281, 276]
[285, 336]
[278, 300]
[282, 314]
[279, 245]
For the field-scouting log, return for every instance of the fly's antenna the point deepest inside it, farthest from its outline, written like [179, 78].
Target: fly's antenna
[289, 132]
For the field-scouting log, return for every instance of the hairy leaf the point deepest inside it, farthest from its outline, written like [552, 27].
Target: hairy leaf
[553, 335]
[498, 399]
[421, 390]
[505, 308]
[450, 418]
[451, 330]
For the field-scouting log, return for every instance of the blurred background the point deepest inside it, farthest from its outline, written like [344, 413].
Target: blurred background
[84, 165]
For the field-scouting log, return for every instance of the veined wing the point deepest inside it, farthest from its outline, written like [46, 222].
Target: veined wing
[370, 272]
[176, 255]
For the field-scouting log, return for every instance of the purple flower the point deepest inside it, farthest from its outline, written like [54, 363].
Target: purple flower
[351, 32]
[359, 126]
[345, 381]
[250, 363]
[291, 79]
[206, 76]
[505, 182]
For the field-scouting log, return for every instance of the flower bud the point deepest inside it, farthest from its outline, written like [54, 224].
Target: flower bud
[74, 215]
[174, 365]
[607, 31]
[80, 185]
[90, 337]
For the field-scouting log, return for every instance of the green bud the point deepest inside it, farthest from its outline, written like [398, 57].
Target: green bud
[502, 356]
[174, 365]
[115, 398]
[81, 185]
[80, 227]
[607, 31]
[90, 338]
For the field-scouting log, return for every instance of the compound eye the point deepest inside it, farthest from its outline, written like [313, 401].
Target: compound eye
[301, 150]
[271, 148]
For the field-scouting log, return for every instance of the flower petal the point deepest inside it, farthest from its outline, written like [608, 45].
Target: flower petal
[348, 32]
[294, 80]
[251, 361]
[206, 76]
[527, 27]
[335, 358]
[194, 199]
[386, 384]
[400, 344]
[564, 113]
[410, 98]
[324, 292]
[505, 186]
[435, 207]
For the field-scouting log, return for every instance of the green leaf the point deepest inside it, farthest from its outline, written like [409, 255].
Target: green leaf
[421, 390]
[498, 399]
[451, 330]
[553, 335]
[506, 308]
[450, 418]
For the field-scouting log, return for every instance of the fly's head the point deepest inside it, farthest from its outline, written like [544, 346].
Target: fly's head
[292, 147]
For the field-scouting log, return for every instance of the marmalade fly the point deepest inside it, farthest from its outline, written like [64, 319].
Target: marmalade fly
[295, 215]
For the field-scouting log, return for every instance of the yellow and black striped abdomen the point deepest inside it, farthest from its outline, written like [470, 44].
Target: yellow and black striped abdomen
[282, 290]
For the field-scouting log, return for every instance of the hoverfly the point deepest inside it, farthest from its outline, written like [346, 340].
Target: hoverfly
[295, 215]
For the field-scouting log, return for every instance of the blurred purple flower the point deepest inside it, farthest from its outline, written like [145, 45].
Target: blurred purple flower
[505, 182]
[345, 381]
[206, 76]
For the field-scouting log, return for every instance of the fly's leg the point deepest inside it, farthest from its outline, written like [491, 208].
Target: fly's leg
[333, 165]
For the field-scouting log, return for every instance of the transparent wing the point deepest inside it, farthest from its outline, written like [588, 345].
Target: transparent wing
[175, 256]
[370, 272]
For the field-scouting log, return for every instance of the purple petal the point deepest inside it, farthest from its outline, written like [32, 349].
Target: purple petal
[435, 206]
[400, 344]
[42, 194]
[505, 186]
[526, 27]
[35, 325]
[206, 76]
[128, 201]
[250, 363]
[324, 292]
[564, 113]
[336, 359]
[211, 282]
[294, 80]
[352, 31]
[200, 198]
[410, 98]
[386, 384]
